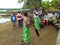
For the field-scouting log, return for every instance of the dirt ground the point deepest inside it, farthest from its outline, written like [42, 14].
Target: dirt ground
[10, 36]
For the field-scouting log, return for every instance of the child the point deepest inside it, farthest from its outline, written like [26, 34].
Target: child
[19, 18]
[26, 29]
[36, 21]
[46, 19]
[13, 19]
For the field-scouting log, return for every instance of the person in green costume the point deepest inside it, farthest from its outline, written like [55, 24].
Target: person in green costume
[26, 29]
[36, 21]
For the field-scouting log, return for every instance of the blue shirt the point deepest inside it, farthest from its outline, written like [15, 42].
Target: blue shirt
[13, 19]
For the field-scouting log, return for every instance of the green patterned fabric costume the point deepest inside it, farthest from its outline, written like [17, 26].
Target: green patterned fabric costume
[36, 23]
[26, 34]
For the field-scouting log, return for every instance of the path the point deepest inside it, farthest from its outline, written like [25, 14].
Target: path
[8, 37]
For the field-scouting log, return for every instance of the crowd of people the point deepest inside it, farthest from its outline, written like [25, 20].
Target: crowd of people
[39, 20]
[16, 17]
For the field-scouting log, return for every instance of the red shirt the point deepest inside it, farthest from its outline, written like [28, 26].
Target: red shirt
[19, 16]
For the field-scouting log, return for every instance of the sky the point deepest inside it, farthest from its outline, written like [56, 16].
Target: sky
[10, 4]
[47, 0]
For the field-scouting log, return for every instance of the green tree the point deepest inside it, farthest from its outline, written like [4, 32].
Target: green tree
[31, 3]
[56, 3]
[19, 1]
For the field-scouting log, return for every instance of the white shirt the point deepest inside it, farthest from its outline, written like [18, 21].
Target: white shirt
[13, 18]
[37, 12]
[46, 17]
[50, 15]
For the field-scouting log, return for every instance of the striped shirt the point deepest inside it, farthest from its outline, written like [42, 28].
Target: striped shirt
[19, 16]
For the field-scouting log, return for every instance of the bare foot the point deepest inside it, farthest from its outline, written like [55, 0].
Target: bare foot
[30, 44]
[22, 43]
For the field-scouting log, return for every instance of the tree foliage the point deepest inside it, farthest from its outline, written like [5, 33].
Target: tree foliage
[32, 3]
[39, 3]
[56, 3]
[19, 1]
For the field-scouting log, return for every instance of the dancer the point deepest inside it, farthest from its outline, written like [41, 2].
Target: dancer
[26, 29]
[36, 21]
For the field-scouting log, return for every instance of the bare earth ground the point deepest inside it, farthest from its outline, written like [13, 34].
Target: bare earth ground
[10, 36]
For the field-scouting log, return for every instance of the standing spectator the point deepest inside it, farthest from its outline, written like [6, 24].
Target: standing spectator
[43, 10]
[46, 18]
[13, 19]
[19, 18]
